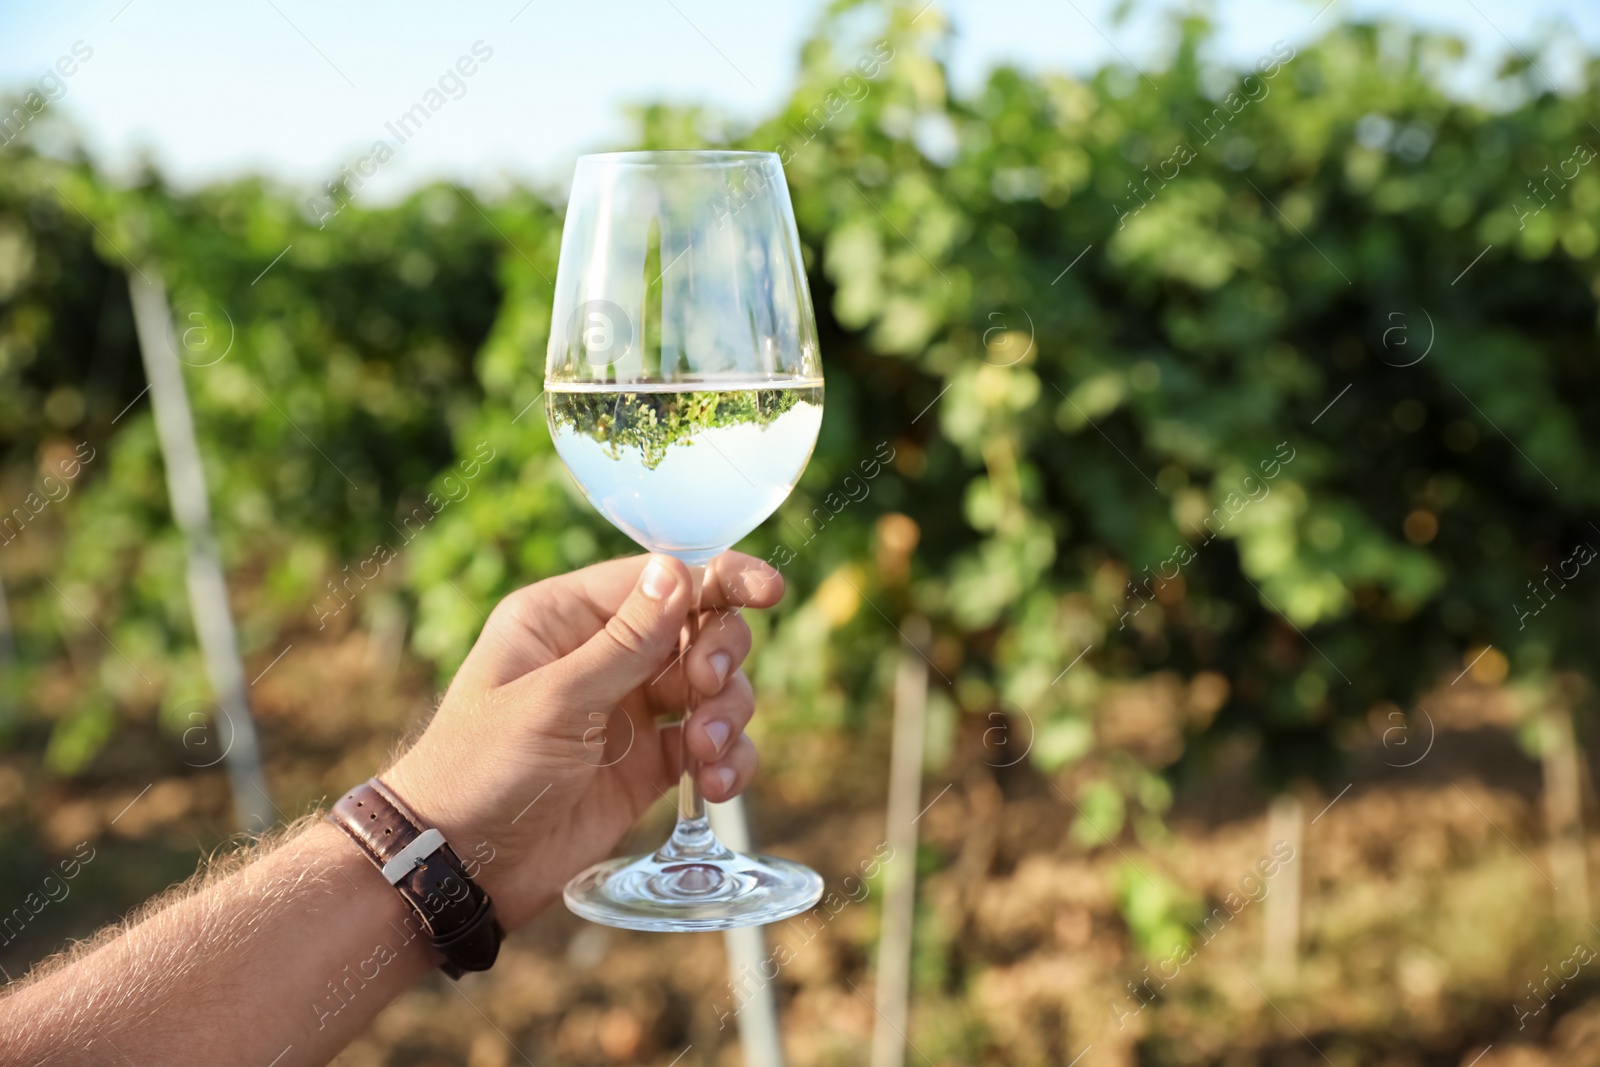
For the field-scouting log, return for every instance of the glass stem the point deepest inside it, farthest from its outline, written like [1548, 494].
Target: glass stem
[691, 837]
[691, 805]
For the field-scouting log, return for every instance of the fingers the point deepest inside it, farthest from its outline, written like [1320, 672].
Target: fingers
[716, 726]
[720, 648]
[727, 778]
[552, 618]
[735, 580]
[635, 641]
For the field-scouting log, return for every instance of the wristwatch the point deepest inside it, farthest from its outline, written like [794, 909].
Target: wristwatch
[455, 911]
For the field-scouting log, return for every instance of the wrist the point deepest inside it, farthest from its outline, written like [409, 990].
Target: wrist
[371, 895]
[417, 860]
[493, 845]
[414, 781]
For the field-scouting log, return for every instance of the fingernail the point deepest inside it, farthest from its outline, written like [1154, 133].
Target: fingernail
[720, 662]
[657, 582]
[725, 778]
[718, 732]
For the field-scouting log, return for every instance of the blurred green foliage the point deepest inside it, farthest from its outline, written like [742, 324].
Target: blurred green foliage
[1137, 363]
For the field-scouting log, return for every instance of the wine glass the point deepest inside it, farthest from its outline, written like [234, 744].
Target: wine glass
[683, 391]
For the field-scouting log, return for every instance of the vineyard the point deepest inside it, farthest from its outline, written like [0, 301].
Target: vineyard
[1232, 430]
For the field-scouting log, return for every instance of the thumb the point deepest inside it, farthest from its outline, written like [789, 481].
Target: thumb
[634, 643]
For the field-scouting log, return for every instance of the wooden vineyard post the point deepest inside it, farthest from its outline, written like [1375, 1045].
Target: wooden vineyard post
[8, 644]
[1563, 811]
[208, 591]
[756, 1005]
[893, 994]
[1280, 948]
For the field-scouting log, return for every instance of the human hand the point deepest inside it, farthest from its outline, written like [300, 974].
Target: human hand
[546, 750]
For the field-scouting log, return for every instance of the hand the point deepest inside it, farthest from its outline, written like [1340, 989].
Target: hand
[546, 750]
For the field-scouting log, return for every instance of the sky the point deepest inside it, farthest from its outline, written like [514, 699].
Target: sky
[297, 89]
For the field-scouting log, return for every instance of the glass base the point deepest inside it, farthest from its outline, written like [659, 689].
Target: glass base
[693, 883]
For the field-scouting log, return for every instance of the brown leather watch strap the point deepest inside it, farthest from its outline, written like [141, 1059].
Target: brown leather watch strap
[457, 914]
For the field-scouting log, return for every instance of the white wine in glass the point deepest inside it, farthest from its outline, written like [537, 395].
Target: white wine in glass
[686, 468]
[683, 389]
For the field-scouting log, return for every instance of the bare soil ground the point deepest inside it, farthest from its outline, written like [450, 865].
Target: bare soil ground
[1428, 914]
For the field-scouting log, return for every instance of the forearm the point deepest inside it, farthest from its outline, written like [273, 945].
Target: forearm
[544, 751]
[282, 962]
